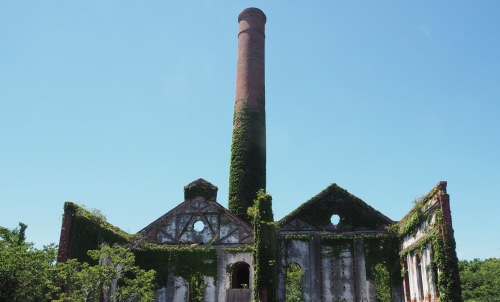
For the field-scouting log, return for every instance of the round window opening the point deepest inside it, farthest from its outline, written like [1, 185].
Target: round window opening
[335, 219]
[198, 226]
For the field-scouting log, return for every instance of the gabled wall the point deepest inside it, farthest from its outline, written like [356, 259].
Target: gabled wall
[178, 250]
[338, 261]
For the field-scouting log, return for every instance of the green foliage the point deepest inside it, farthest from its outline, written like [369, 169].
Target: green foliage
[26, 273]
[293, 283]
[382, 249]
[306, 238]
[200, 188]
[85, 282]
[382, 283]
[248, 159]
[196, 288]
[89, 230]
[378, 249]
[265, 254]
[411, 226]
[184, 262]
[15, 237]
[445, 258]
[247, 249]
[480, 280]
[354, 212]
[335, 246]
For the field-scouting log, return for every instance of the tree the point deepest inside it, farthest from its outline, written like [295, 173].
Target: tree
[293, 283]
[26, 273]
[115, 278]
[382, 283]
[480, 280]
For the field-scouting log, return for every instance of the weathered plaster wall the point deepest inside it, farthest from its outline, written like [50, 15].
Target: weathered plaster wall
[421, 279]
[177, 289]
[423, 287]
[225, 260]
[326, 275]
[426, 282]
[338, 275]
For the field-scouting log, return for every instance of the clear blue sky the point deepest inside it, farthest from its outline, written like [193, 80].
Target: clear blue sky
[119, 104]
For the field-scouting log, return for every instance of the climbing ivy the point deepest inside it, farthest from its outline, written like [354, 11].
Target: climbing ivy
[181, 261]
[248, 159]
[247, 249]
[354, 212]
[443, 260]
[382, 283]
[382, 249]
[88, 231]
[377, 249]
[335, 246]
[442, 242]
[200, 188]
[288, 238]
[265, 273]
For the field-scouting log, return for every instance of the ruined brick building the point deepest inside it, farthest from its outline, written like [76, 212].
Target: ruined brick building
[342, 246]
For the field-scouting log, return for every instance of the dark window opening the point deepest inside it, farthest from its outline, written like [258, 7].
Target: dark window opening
[240, 277]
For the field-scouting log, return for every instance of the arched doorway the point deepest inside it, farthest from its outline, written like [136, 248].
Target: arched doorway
[240, 275]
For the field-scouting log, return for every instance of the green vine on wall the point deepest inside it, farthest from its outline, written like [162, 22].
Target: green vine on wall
[288, 238]
[265, 254]
[247, 249]
[248, 159]
[184, 262]
[201, 188]
[377, 249]
[337, 245]
[354, 213]
[89, 229]
[442, 244]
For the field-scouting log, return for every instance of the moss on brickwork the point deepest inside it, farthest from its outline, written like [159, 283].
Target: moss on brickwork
[88, 231]
[354, 212]
[201, 188]
[247, 173]
[265, 274]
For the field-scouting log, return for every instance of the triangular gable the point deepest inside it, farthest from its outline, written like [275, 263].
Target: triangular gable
[316, 213]
[218, 225]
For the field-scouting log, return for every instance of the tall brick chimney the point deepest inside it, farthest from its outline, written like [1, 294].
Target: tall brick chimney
[248, 149]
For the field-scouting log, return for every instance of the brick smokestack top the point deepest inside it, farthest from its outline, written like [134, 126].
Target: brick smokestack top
[248, 149]
[250, 65]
